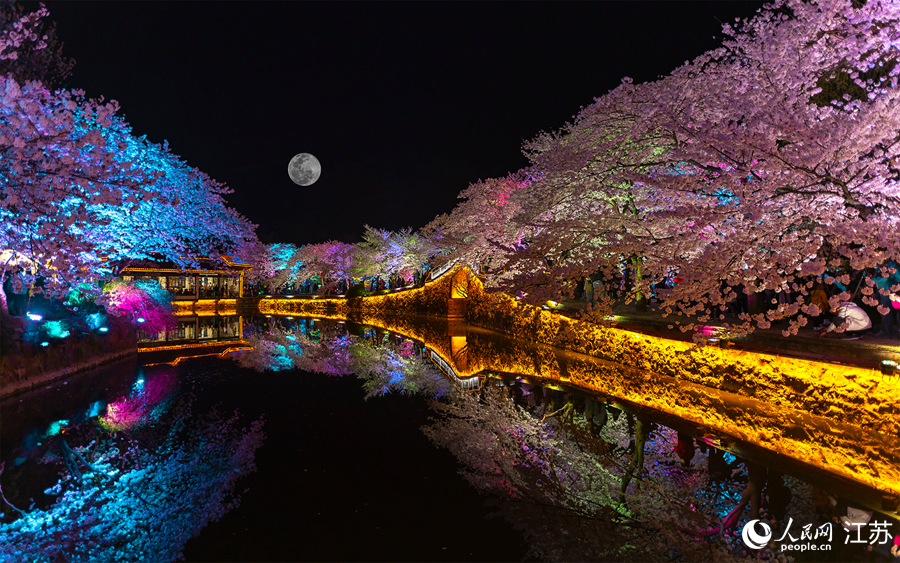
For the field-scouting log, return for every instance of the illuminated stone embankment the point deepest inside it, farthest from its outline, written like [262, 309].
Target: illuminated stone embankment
[838, 418]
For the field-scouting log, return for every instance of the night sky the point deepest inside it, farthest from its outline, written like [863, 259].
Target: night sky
[405, 104]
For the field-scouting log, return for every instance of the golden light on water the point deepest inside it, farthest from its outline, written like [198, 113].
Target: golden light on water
[838, 418]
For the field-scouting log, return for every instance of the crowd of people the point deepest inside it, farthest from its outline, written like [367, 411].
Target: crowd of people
[312, 285]
[26, 293]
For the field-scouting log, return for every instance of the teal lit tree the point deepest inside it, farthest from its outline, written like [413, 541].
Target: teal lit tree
[78, 190]
[140, 495]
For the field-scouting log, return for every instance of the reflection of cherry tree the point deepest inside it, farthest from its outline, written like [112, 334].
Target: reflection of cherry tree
[385, 364]
[283, 345]
[147, 402]
[388, 366]
[145, 495]
[560, 484]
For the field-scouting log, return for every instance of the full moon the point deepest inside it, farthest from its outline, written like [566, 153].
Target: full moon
[304, 169]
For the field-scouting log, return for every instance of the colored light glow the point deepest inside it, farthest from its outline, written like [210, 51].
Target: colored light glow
[141, 319]
[95, 409]
[56, 329]
[95, 320]
[56, 427]
[45, 344]
[34, 316]
[103, 329]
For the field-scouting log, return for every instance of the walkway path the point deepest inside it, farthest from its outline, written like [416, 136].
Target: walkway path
[868, 351]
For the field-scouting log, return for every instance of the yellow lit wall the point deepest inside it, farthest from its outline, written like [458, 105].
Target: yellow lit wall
[837, 417]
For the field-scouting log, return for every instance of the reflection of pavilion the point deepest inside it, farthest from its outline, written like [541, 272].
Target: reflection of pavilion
[195, 329]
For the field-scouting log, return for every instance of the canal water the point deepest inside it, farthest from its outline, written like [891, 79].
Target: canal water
[332, 441]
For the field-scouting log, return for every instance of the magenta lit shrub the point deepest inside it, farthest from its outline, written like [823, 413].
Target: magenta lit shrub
[140, 299]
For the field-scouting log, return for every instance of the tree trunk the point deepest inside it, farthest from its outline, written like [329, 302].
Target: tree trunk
[3, 297]
[642, 430]
[639, 297]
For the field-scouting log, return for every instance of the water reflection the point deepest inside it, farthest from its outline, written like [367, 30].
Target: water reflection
[386, 362]
[590, 459]
[130, 480]
[854, 460]
[148, 401]
[560, 441]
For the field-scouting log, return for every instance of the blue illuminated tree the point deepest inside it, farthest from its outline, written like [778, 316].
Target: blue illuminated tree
[139, 498]
[78, 189]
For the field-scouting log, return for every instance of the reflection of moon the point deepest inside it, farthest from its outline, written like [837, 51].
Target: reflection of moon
[304, 169]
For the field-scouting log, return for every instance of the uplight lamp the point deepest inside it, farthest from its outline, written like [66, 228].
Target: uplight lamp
[103, 329]
[140, 319]
[34, 316]
[45, 344]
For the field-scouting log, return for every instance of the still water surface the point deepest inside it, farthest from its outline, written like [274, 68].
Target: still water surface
[311, 447]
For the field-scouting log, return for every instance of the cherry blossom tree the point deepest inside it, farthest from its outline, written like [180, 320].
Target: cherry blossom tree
[383, 252]
[599, 202]
[760, 164]
[276, 264]
[331, 261]
[795, 118]
[78, 188]
[254, 253]
[39, 56]
[481, 230]
[58, 172]
[188, 219]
